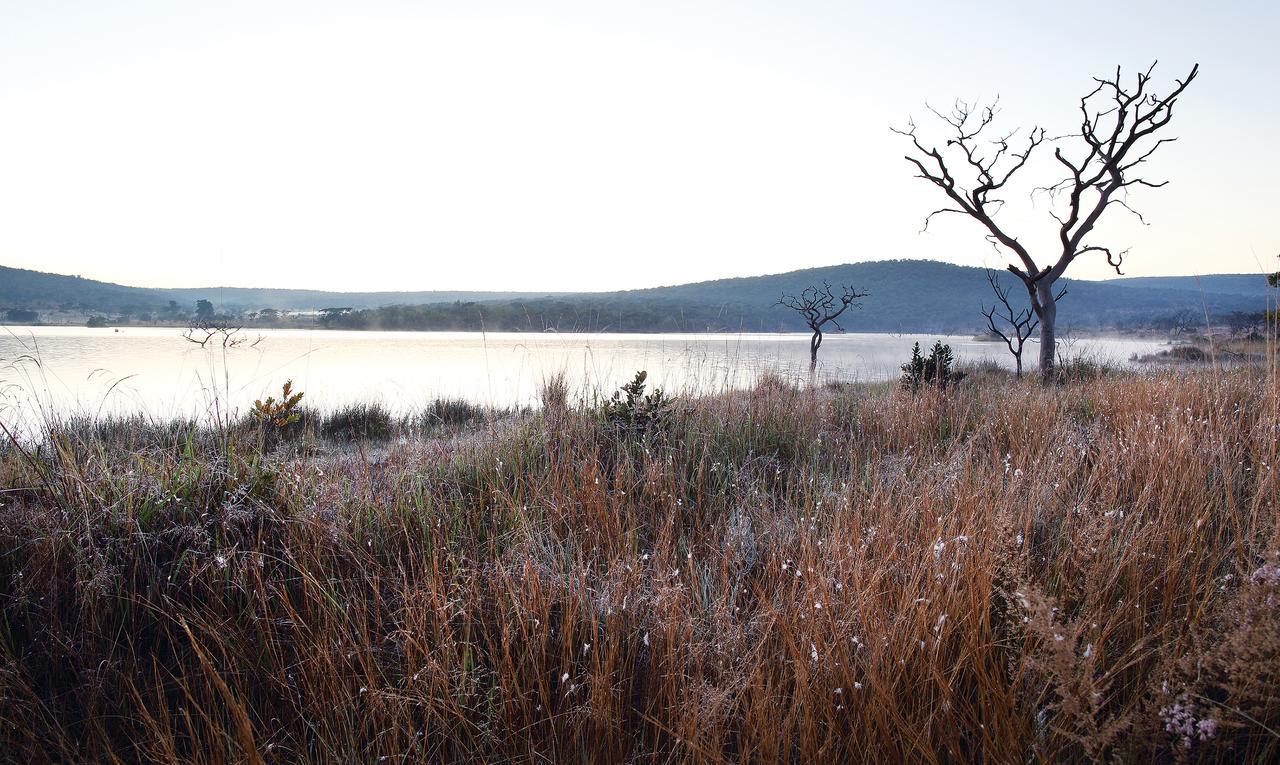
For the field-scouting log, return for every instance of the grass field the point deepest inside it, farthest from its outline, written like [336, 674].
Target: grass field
[1002, 572]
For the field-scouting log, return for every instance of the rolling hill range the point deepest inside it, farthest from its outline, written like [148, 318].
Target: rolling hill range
[21, 288]
[1231, 284]
[929, 296]
[905, 296]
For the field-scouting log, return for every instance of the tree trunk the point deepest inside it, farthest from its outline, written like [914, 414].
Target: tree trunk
[814, 342]
[1017, 357]
[1048, 327]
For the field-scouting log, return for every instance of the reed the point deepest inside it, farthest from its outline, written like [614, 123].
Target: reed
[1002, 572]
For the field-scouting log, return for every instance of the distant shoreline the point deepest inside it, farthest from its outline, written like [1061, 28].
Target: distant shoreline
[971, 334]
[903, 295]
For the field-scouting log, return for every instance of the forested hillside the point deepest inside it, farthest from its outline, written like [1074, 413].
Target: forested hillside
[905, 296]
[20, 288]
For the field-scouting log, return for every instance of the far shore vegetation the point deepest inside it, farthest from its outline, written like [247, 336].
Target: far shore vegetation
[897, 290]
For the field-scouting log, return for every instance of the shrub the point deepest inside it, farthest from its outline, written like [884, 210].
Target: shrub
[443, 412]
[368, 421]
[22, 316]
[274, 416]
[282, 413]
[453, 411]
[935, 370]
[633, 412]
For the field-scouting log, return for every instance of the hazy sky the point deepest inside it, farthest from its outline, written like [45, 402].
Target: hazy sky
[584, 145]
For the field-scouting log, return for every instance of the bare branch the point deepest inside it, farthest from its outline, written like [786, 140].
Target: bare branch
[1114, 136]
[206, 332]
[1115, 260]
[989, 166]
[1100, 161]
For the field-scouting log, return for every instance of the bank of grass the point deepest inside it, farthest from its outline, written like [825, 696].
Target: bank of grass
[1213, 351]
[1002, 573]
[374, 421]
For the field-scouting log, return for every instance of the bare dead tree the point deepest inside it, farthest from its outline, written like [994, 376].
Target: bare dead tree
[217, 332]
[1020, 323]
[1101, 162]
[820, 307]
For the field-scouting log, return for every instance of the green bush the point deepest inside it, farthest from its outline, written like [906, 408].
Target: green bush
[936, 370]
[21, 316]
[633, 412]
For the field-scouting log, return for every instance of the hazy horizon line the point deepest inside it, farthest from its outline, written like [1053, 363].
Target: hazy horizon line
[1262, 272]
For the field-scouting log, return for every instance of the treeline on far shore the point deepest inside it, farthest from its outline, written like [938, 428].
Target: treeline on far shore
[559, 315]
[602, 315]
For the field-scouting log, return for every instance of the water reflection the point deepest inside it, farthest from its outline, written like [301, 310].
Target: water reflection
[156, 372]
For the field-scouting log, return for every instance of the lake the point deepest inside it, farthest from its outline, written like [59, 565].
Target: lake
[157, 372]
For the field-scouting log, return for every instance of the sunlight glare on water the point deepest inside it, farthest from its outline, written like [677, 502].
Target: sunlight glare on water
[155, 371]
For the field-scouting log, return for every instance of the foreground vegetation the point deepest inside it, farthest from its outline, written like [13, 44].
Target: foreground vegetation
[997, 572]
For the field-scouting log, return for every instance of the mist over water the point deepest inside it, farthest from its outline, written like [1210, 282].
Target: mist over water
[155, 371]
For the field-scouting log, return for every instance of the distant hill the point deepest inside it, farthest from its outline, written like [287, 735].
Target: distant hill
[21, 288]
[906, 296]
[1228, 284]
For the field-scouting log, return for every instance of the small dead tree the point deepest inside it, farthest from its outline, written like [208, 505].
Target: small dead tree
[820, 307]
[1101, 161]
[1019, 323]
[217, 332]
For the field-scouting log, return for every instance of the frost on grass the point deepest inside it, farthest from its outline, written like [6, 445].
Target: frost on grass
[783, 574]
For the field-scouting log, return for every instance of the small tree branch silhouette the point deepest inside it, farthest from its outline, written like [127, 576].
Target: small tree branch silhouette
[820, 306]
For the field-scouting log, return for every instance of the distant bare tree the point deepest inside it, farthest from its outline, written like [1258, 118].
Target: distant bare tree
[1117, 123]
[1184, 321]
[207, 332]
[1018, 324]
[819, 307]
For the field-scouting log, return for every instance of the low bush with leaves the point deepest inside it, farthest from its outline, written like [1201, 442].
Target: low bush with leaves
[634, 412]
[936, 370]
[275, 416]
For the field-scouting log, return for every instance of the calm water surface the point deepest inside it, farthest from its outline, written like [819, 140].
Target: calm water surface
[157, 372]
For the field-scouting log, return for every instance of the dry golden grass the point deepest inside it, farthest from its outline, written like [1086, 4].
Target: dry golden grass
[1004, 573]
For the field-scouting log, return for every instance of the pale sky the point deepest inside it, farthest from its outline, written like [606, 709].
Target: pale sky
[586, 145]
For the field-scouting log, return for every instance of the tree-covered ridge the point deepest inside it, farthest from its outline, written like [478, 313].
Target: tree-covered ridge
[41, 290]
[898, 291]
[24, 289]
